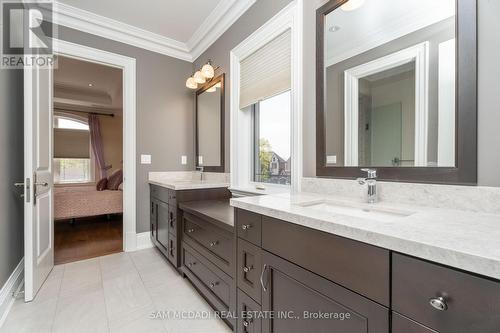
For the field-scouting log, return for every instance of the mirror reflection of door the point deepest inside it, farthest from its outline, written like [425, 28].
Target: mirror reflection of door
[385, 131]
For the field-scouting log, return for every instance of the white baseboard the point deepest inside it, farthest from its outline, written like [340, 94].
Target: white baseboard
[6, 293]
[144, 240]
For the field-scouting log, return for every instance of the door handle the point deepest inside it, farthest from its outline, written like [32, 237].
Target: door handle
[44, 184]
[19, 184]
[262, 278]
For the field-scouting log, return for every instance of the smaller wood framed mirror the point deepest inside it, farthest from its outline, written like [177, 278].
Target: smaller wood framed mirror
[210, 125]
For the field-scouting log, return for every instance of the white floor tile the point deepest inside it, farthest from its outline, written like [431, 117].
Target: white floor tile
[30, 317]
[124, 295]
[138, 321]
[85, 313]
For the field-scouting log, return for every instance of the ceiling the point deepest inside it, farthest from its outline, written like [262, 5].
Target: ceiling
[377, 22]
[72, 90]
[182, 29]
[170, 18]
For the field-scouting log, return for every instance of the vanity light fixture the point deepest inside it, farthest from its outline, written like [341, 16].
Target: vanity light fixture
[191, 83]
[352, 5]
[205, 74]
[199, 77]
[208, 70]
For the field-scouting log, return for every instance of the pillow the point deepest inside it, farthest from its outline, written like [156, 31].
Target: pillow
[115, 180]
[102, 184]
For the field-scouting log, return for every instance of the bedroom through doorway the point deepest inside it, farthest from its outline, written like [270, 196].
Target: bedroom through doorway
[87, 160]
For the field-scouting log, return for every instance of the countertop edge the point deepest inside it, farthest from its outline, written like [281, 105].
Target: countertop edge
[187, 186]
[460, 260]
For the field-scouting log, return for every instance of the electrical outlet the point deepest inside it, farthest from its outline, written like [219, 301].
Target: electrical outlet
[145, 159]
[331, 159]
[184, 160]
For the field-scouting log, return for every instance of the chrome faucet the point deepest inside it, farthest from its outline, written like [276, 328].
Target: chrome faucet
[371, 181]
[200, 169]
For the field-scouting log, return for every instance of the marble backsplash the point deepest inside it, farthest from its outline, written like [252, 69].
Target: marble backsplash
[215, 177]
[468, 198]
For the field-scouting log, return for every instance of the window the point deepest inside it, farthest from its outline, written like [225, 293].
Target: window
[72, 158]
[272, 139]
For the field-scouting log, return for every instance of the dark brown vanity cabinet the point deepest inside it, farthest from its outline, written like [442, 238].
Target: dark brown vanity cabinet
[209, 251]
[443, 299]
[165, 216]
[302, 279]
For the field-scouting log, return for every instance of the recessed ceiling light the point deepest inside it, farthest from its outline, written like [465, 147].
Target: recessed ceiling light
[91, 85]
[352, 5]
[334, 28]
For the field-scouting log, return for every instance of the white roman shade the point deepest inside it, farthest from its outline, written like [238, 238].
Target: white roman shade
[71, 143]
[267, 71]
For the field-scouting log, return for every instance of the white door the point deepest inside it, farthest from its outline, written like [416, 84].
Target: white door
[38, 204]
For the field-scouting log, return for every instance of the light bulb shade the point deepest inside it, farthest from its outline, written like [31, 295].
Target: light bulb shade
[352, 5]
[212, 89]
[199, 78]
[191, 83]
[208, 71]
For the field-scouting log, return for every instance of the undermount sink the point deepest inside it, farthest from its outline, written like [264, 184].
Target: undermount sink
[370, 211]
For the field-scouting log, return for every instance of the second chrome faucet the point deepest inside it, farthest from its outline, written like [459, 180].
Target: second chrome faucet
[371, 182]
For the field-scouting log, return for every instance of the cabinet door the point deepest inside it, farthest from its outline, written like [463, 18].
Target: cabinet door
[153, 217]
[305, 302]
[162, 218]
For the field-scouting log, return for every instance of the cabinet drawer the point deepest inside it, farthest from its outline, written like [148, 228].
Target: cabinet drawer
[357, 266]
[197, 265]
[249, 269]
[213, 239]
[248, 315]
[249, 226]
[160, 193]
[468, 303]
[401, 324]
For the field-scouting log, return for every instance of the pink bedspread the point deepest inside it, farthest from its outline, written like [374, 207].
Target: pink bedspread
[82, 201]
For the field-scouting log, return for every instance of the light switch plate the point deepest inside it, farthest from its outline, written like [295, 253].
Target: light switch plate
[145, 159]
[331, 159]
[184, 160]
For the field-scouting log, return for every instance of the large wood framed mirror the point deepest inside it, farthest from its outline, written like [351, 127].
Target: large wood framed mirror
[397, 90]
[210, 125]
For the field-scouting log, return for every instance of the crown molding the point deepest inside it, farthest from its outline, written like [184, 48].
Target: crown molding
[86, 21]
[218, 21]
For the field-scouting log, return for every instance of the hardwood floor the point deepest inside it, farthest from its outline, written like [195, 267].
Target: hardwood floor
[87, 238]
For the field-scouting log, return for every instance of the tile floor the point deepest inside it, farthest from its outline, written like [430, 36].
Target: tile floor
[114, 293]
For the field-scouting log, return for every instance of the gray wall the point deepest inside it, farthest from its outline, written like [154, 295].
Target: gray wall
[488, 86]
[11, 171]
[218, 52]
[164, 112]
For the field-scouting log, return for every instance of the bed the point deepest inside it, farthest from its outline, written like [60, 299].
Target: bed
[83, 201]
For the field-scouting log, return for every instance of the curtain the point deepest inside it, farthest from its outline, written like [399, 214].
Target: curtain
[97, 146]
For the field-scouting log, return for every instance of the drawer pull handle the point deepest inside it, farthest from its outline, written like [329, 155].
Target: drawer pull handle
[262, 278]
[247, 269]
[212, 244]
[439, 303]
[246, 226]
[190, 231]
[213, 284]
[246, 323]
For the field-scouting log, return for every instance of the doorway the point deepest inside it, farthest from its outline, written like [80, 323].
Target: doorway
[39, 220]
[87, 160]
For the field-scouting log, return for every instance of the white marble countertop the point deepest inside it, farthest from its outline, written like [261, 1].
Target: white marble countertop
[188, 180]
[461, 239]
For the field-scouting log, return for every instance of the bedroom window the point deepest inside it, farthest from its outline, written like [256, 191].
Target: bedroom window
[72, 157]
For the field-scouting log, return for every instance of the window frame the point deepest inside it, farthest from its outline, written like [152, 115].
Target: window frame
[93, 168]
[242, 147]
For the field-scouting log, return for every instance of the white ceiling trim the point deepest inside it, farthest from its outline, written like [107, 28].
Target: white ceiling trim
[218, 21]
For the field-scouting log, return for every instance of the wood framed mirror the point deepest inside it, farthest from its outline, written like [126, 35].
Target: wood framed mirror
[396, 90]
[209, 118]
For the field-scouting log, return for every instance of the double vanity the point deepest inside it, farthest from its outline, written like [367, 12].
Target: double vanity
[322, 262]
